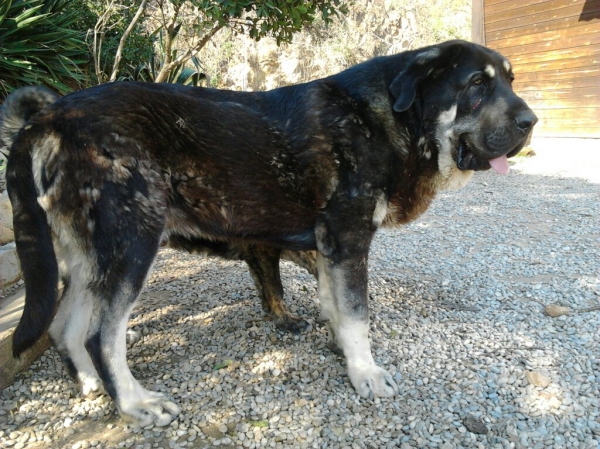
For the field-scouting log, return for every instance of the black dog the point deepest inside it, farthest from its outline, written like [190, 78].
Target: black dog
[100, 177]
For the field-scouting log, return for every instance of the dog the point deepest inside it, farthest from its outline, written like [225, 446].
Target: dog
[100, 177]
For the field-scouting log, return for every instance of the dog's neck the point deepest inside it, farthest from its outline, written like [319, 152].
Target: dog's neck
[415, 184]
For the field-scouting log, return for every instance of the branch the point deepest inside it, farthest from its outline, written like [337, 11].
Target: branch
[187, 55]
[124, 38]
[99, 31]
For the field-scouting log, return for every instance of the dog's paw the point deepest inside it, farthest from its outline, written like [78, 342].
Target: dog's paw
[91, 387]
[372, 381]
[291, 323]
[148, 408]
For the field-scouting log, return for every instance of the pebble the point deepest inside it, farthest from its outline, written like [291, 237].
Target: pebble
[555, 310]
[538, 379]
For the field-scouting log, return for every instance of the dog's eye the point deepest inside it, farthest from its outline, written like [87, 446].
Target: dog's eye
[478, 82]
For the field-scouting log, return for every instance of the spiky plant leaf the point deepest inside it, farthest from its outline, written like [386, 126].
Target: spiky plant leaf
[38, 45]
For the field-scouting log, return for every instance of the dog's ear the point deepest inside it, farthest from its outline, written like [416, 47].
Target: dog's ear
[404, 87]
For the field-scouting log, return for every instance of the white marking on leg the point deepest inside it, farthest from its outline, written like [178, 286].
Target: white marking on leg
[329, 313]
[70, 325]
[351, 334]
[134, 402]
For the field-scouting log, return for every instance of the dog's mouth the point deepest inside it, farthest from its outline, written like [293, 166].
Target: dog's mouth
[467, 158]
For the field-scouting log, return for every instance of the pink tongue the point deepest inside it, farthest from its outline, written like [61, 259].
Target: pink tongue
[500, 164]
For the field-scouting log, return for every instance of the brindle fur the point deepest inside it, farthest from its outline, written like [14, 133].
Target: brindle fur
[99, 178]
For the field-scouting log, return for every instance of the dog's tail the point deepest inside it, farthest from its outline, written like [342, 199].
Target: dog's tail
[32, 232]
[19, 107]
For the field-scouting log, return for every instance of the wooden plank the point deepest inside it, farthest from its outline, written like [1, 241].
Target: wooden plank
[566, 130]
[571, 15]
[590, 83]
[583, 116]
[581, 30]
[558, 64]
[559, 94]
[512, 30]
[551, 103]
[495, 6]
[565, 63]
[548, 122]
[580, 44]
[9, 366]
[584, 40]
[560, 99]
[591, 72]
[559, 8]
[477, 22]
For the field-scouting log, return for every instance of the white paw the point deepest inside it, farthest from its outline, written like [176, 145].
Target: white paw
[148, 408]
[91, 386]
[372, 381]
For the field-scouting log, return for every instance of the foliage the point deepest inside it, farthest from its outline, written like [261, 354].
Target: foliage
[180, 74]
[277, 18]
[191, 24]
[103, 22]
[39, 46]
[368, 29]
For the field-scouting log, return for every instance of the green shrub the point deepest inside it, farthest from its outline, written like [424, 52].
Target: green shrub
[140, 44]
[39, 46]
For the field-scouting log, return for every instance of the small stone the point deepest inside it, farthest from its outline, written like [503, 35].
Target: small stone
[537, 379]
[554, 310]
[475, 425]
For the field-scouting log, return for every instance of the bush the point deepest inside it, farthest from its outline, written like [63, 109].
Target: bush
[39, 46]
[140, 45]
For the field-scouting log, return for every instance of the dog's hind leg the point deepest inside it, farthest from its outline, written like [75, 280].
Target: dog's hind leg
[115, 297]
[263, 262]
[304, 259]
[107, 346]
[69, 329]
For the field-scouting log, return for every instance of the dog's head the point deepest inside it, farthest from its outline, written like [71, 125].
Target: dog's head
[462, 95]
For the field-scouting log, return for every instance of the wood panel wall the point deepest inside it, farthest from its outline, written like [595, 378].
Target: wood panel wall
[554, 46]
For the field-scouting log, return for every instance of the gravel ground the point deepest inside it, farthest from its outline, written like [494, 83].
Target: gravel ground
[457, 316]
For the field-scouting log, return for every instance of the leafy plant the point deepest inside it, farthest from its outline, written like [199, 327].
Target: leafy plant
[38, 46]
[179, 73]
[197, 21]
[106, 23]
[277, 18]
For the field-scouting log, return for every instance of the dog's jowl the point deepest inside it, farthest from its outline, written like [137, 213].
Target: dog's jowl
[100, 178]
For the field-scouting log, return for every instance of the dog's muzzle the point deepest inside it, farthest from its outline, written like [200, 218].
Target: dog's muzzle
[500, 146]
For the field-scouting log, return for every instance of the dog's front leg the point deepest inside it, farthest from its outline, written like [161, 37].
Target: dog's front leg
[343, 295]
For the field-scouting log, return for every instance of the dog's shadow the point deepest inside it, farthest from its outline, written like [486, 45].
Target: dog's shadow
[202, 315]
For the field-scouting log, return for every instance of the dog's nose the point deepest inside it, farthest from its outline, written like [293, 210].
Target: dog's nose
[526, 119]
